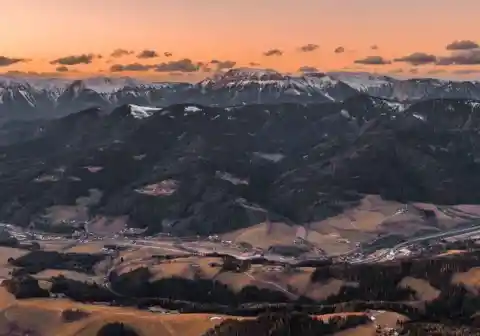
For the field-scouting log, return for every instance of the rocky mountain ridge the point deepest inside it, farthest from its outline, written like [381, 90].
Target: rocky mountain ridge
[192, 169]
[45, 98]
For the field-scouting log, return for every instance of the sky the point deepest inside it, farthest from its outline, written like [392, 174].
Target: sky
[190, 39]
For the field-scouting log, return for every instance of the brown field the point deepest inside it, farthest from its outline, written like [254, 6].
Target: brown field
[364, 330]
[5, 253]
[424, 291]
[47, 274]
[44, 316]
[338, 234]
[469, 279]
[451, 252]
[295, 281]
[102, 225]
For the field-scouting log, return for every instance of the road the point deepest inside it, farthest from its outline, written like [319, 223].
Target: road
[475, 229]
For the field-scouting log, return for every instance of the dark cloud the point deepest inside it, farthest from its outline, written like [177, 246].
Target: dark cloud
[74, 59]
[462, 45]
[373, 60]
[466, 71]
[130, 67]
[167, 54]
[223, 64]
[435, 71]
[176, 74]
[24, 73]
[308, 47]
[117, 53]
[418, 58]
[374, 47]
[307, 68]
[339, 50]
[183, 65]
[396, 71]
[62, 68]
[468, 57]
[6, 61]
[253, 64]
[147, 54]
[273, 52]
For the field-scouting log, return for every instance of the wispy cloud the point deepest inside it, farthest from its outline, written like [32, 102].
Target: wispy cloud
[147, 54]
[273, 52]
[462, 45]
[74, 59]
[309, 47]
[117, 53]
[6, 61]
[373, 60]
[417, 58]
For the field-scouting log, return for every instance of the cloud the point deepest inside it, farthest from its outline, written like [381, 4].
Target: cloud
[307, 68]
[308, 47]
[6, 61]
[468, 57]
[223, 64]
[396, 71]
[373, 60]
[147, 54]
[466, 71]
[117, 53]
[374, 47]
[130, 67]
[62, 68]
[183, 65]
[413, 71]
[175, 74]
[273, 52]
[253, 64]
[167, 54]
[74, 59]
[24, 73]
[417, 58]
[462, 45]
[435, 71]
[339, 50]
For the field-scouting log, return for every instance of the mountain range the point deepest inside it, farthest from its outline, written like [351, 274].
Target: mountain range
[195, 169]
[28, 98]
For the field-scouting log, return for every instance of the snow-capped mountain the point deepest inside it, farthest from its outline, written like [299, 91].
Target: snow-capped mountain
[35, 97]
[408, 89]
[245, 85]
[38, 97]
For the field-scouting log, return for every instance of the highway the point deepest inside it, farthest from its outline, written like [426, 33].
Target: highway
[475, 229]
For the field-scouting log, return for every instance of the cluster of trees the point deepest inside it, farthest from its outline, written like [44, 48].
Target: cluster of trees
[37, 261]
[285, 324]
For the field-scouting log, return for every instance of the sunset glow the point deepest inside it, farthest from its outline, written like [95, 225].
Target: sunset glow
[40, 32]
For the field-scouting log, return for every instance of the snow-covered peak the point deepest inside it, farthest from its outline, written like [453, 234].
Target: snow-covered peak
[252, 74]
[142, 112]
[362, 81]
[243, 76]
[320, 79]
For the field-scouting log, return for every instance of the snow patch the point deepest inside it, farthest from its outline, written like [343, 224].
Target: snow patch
[142, 112]
[163, 188]
[274, 157]
[419, 116]
[345, 114]
[473, 104]
[230, 178]
[192, 109]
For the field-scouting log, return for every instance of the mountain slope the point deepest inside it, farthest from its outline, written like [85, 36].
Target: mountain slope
[190, 169]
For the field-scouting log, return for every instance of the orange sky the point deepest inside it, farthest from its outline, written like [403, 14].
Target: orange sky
[236, 30]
